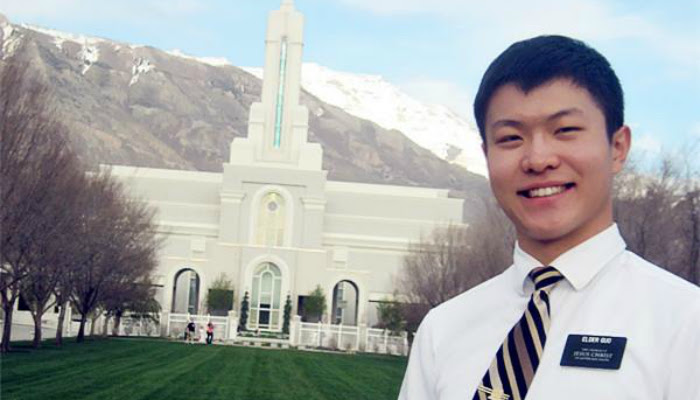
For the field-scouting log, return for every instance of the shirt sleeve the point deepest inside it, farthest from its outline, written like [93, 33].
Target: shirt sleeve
[683, 379]
[419, 382]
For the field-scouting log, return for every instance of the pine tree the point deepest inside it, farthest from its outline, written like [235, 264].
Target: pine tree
[287, 315]
[244, 313]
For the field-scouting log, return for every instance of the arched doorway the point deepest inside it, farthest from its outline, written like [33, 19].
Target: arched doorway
[345, 303]
[186, 292]
[265, 302]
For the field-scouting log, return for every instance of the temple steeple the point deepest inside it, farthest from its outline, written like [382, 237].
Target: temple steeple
[287, 5]
[278, 124]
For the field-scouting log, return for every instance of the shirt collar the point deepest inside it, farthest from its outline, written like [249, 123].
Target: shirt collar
[578, 265]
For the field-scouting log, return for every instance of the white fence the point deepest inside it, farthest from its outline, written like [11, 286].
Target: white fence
[137, 325]
[25, 331]
[177, 323]
[381, 341]
[336, 337]
[303, 334]
[172, 325]
[350, 338]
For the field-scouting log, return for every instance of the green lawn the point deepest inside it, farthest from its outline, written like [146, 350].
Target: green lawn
[157, 369]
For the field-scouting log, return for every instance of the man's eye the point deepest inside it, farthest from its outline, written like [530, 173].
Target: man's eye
[508, 138]
[567, 129]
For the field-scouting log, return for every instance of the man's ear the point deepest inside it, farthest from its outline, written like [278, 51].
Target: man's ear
[620, 145]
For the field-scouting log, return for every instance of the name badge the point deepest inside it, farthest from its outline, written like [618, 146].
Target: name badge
[589, 351]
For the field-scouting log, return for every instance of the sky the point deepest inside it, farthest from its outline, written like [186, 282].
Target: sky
[435, 50]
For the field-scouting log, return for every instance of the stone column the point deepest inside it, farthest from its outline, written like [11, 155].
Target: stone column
[295, 330]
[232, 325]
[362, 338]
[164, 323]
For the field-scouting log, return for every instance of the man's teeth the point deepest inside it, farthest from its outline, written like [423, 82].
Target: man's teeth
[546, 191]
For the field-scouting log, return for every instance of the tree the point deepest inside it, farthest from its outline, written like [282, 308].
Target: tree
[243, 321]
[219, 299]
[38, 177]
[657, 210]
[689, 207]
[391, 315]
[118, 245]
[315, 303]
[52, 256]
[287, 315]
[127, 295]
[49, 263]
[62, 296]
[453, 259]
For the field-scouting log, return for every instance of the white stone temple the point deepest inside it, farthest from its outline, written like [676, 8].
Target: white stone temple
[273, 223]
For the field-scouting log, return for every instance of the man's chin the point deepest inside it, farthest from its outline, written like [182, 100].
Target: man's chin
[542, 235]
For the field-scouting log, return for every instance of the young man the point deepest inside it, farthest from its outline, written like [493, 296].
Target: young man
[576, 316]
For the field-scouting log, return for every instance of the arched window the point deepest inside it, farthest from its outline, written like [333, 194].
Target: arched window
[345, 303]
[186, 292]
[265, 301]
[271, 220]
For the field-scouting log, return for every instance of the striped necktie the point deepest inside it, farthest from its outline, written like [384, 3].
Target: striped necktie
[515, 364]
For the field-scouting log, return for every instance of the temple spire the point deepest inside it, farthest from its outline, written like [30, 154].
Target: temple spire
[278, 124]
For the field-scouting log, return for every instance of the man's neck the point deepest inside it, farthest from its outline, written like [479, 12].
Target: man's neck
[546, 251]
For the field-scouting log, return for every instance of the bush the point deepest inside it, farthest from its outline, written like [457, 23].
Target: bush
[219, 298]
[315, 303]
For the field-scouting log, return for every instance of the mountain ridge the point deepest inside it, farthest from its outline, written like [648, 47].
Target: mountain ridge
[138, 105]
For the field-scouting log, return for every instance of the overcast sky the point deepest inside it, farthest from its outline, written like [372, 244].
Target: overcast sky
[436, 50]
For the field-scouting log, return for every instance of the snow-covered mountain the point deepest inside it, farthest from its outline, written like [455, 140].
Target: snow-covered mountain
[130, 104]
[432, 126]
[371, 97]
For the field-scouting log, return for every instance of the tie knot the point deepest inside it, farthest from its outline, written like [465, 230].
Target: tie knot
[544, 277]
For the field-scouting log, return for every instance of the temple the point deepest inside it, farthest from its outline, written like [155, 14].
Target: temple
[272, 223]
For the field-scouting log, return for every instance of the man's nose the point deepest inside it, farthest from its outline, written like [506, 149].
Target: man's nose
[540, 156]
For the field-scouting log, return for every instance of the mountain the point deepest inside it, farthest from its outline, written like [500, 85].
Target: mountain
[138, 105]
[432, 126]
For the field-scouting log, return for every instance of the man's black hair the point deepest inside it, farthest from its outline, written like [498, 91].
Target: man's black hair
[533, 62]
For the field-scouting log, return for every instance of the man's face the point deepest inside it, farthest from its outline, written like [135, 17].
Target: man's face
[550, 162]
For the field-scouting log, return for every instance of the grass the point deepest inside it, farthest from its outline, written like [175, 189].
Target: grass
[157, 369]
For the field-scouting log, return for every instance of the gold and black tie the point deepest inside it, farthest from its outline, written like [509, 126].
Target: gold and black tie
[512, 370]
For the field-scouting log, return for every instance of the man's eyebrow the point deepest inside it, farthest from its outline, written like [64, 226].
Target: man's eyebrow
[506, 122]
[563, 113]
[517, 124]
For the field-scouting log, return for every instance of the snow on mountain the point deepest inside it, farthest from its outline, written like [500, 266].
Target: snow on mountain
[89, 53]
[10, 38]
[141, 66]
[432, 126]
[60, 37]
[213, 61]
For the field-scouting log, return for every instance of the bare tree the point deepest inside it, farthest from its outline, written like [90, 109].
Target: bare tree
[118, 247]
[61, 295]
[36, 167]
[689, 207]
[129, 292]
[52, 257]
[644, 212]
[454, 259]
[658, 212]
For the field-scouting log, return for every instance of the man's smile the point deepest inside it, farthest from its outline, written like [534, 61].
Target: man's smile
[545, 190]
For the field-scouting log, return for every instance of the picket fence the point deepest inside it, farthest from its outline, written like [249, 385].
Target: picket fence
[303, 335]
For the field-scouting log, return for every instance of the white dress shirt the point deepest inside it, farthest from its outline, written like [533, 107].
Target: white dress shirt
[607, 291]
